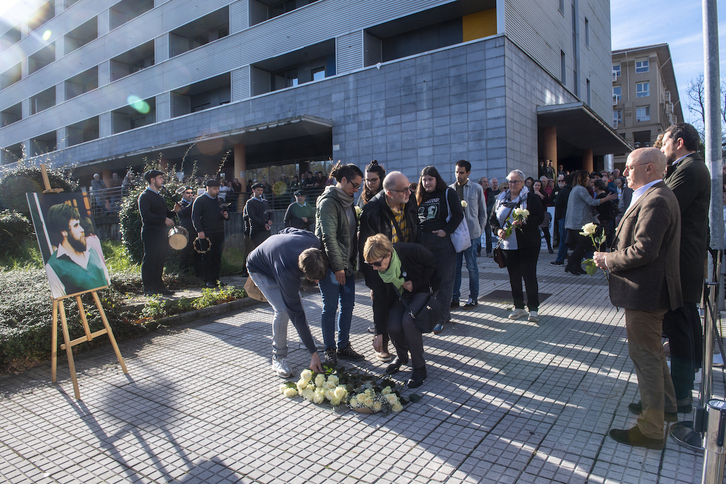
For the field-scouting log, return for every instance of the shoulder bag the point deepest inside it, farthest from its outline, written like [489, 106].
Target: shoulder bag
[428, 316]
[460, 237]
[498, 254]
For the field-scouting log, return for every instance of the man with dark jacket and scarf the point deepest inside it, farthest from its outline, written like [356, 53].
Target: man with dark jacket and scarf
[185, 220]
[208, 218]
[393, 213]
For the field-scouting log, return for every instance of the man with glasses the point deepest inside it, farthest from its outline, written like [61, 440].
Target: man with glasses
[185, 220]
[393, 213]
[645, 282]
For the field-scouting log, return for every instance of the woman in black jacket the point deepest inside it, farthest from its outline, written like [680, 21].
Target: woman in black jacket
[521, 246]
[408, 270]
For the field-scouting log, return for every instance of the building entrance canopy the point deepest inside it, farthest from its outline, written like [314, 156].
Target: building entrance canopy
[579, 126]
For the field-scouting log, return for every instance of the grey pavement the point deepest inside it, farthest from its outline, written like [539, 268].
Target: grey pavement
[505, 401]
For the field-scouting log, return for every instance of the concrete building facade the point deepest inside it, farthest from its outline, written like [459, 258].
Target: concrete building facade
[107, 84]
[645, 95]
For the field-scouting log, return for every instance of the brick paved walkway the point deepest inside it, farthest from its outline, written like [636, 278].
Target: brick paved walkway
[505, 401]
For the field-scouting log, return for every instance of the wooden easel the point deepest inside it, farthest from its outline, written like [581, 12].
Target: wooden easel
[58, 308]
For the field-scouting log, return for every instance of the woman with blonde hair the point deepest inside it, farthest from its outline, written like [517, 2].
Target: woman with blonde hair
[409, 271]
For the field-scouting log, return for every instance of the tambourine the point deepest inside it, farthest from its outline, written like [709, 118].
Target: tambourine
[194, 244]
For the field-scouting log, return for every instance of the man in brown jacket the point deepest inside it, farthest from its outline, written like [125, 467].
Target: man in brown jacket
[645, 281]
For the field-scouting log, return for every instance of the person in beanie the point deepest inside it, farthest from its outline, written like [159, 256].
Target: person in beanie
[208, 218]
[258, 215]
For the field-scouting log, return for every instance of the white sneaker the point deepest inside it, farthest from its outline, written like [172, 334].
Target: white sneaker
[320, 346]
[533, 316]
[280, 366]
[517, 313]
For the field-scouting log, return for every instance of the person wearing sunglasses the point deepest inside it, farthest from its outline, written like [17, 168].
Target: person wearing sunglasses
[408, 270]
[336, 225]
[185, 220]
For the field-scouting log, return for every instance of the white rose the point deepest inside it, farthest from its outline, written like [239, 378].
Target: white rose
[588, 229]
[386, 391]
[377, 407]
[329, 394]
[397, 407]
[334, 379]
[283, 387]
[340, 393]
[353, 402]
[290, 392]
[524, 213]
[335, 402]
[517, 211]
[319, 380]
[392, 399]
[306, 375]
[318, 398]
[464, 204]
[308, 394]
[302, 384]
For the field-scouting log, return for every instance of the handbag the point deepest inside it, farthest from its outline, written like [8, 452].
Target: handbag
[428, 316]
[460, 237]
[498, 254]
[253, 291]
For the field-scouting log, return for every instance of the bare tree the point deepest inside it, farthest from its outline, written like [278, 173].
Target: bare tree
[696, 104]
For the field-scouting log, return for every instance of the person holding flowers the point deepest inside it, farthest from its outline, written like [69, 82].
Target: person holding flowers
[579, 214]
[518, 212]
[409, 272]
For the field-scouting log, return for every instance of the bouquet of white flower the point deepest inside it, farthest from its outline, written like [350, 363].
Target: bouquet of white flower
[372, 400]
[518, 214]
[590, 230]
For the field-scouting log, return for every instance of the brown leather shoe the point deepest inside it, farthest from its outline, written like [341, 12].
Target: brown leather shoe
[636, 438]
[637, 409]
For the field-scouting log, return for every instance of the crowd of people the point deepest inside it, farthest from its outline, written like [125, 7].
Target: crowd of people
[411, 241]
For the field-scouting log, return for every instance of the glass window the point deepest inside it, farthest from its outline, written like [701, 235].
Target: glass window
[642, 113]
[318, 73]
[617, 93]
[587, 33]
[617, 117]
[642, 89]
[641, 65]
[616, 70]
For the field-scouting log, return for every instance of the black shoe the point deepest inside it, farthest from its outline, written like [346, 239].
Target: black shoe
[574, 272]
[636, 438]
[637, 409]
[210, 285]
[331, 356]
[557, 263]
[471, 304]
[221, 284]
[151, 293]
[454, 304]
[395, 366]
[550, 250]
[417, 377]
[347, 353]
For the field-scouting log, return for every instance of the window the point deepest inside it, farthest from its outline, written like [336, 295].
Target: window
[318, 73]
[562, 7]
[641, 66]
[642, 113]
[587, 33]
[642, 89]
[617, 94]
[589, 94]
[616, 71]
[563, 67]
[617, 117]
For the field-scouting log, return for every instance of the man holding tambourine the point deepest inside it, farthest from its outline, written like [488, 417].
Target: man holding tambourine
[208, 216]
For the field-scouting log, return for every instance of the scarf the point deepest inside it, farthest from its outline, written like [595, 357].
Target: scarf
[506, 204]
[393, 275]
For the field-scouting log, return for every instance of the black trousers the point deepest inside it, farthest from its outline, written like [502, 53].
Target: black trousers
[683, 328]
[152, 266]
[188, 253]
[580, 244]
[212, 259]
[522, 264]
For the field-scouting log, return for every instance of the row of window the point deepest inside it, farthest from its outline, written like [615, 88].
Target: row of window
[642, 89]
[641, 66]
[642, 113]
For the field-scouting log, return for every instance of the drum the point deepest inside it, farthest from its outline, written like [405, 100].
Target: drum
[178, 237]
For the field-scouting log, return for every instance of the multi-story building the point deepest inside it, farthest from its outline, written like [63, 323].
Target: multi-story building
[283, 86]
[645, 95]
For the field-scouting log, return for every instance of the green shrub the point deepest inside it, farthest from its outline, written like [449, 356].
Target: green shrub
[15, 231]
[23, 177]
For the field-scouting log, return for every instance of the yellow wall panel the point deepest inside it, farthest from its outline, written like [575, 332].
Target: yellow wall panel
[480, 24]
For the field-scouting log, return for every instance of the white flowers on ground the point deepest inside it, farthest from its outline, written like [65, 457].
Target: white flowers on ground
[344, 387]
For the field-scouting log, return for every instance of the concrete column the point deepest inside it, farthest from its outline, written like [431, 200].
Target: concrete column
[106, 177]
[60, 92]
[104, 125]
[161, 49]
[61, 138]
[240, 167]
[59, 46]
[25, 108]
[587, 163]
[104, 73]
[27, 149]
[163, 106]
[550, 145]
[103, 21]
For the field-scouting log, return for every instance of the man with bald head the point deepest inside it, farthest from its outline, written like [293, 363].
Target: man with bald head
[393, 213]
[645, 281]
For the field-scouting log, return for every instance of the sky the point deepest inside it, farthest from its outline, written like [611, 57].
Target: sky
[679, 23]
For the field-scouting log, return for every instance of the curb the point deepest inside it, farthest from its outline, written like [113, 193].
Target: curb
[191, 316]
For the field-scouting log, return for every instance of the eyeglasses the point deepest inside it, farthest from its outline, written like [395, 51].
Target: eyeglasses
[514, 182]
[404, 190]
[371, 180]
[355, 185]
[188, 193]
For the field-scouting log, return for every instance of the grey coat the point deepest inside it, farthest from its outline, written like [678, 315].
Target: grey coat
[579, 212]
[475, 212]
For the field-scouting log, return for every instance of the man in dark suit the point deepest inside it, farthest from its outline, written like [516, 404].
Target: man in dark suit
[646, 283]
[690, 180]
[156, 219]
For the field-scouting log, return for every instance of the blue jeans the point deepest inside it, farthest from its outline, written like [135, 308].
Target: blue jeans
[271, 290]
[473, 269]
[562, 251]
[333, 292]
